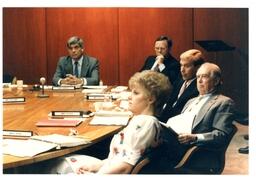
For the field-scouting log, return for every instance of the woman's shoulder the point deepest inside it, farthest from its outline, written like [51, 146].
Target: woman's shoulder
[144, 120]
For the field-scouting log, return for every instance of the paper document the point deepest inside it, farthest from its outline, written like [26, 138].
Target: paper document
[61, 140]
[39, 144]
[119, 89]
[111, 118]
[95, 87]
[181, 123]
[92, 90]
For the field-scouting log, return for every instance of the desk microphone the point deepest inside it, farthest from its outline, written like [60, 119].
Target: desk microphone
[42, 95]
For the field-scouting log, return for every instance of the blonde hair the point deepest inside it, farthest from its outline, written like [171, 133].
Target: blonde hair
[155, 84]
[194, 55]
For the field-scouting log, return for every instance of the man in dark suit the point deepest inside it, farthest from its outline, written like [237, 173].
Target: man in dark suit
[185, 87]
[163, 61]
[77, 68]
[205, 120]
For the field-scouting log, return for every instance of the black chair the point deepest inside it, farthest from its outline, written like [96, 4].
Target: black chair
[193, 161]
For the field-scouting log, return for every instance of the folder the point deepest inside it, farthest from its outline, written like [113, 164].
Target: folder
[58, 123]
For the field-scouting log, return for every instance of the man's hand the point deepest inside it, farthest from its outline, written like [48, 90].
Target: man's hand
[160, 59]
[187, 138]
[71, 80]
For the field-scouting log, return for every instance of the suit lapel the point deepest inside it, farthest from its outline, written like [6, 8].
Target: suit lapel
[187, 91]
[69, 66]
[85, 66]
[204, 110]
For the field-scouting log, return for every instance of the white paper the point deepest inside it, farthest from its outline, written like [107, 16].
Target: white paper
[25, 148]
[119, 89]
[89, 91]
[39, 144]
[62, 140]
[181, 123]
[111, 118]
[95, 87]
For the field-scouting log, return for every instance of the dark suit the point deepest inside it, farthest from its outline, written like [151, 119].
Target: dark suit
[172, 67]
[170, 110]
[89, 69]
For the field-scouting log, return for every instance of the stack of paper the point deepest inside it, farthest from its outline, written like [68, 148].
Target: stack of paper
[119, 89]
[39, 144]
[111, 118]
[93, 89]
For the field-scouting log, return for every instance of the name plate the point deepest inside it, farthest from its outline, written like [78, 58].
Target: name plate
[63, 88]
[14, 100]
[98, 96]
[17, 133]
[63, 114]
[67, 113]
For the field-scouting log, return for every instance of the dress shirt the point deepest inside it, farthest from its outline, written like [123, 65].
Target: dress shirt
[160, 67]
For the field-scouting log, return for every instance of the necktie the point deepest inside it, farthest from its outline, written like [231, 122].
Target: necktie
[182, 89]
[76, 69]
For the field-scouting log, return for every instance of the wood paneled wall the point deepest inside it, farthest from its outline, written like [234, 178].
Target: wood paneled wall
[121, 38]
[231, 26]
[24, 43]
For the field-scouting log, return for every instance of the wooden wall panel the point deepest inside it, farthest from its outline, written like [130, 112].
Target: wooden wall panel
[24, 49]
[231, 26]
[138, 29]
[121, 38]
[96, 26]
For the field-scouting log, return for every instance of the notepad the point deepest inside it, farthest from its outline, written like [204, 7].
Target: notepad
[58, 123]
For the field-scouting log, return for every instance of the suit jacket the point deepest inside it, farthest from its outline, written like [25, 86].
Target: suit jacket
[214, 120]
[172, 67]
[170, 110]
[89, 70]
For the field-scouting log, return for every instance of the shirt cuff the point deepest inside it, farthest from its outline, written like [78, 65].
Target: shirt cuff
[200, 137]
[161, 67]
[59, 81]
[84, 81]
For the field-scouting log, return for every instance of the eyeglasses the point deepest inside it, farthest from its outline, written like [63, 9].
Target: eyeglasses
[160, 48]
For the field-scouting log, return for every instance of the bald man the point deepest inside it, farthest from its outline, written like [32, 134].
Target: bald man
[184, 88]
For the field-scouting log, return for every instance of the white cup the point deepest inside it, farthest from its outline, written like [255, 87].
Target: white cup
[19, 84]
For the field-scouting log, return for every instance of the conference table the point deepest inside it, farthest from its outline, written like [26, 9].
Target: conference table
[24, 117]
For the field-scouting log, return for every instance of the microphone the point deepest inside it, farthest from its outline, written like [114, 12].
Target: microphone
[42, 95]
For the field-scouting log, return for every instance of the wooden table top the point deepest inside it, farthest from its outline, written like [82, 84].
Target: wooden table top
[25, 116]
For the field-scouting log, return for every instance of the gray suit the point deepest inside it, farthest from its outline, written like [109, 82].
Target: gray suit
[89, 70]
[214, 120]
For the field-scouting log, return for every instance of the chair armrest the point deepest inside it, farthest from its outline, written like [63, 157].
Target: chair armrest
[186, 156]
[140, 165]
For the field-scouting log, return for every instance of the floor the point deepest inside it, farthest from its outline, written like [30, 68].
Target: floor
[236, 163]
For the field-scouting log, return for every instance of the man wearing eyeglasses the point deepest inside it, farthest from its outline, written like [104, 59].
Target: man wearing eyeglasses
[163, 61]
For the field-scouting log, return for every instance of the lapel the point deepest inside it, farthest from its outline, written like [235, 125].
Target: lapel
[206, 107]
[85, 66]
[68, 65]
[187, 91]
